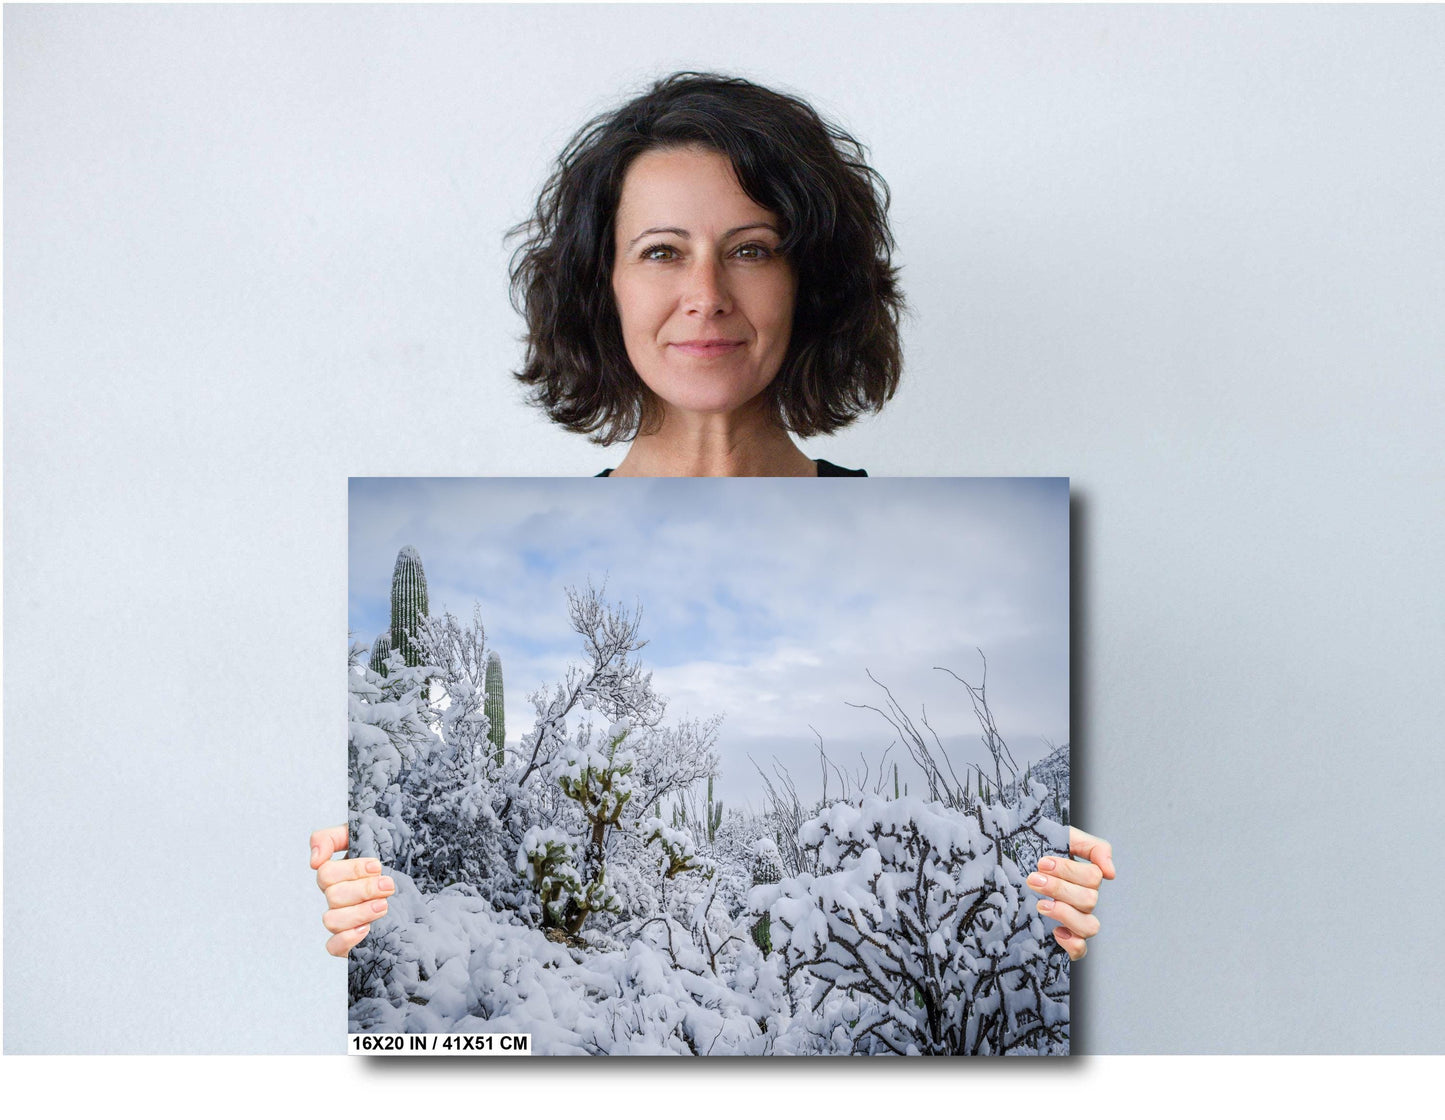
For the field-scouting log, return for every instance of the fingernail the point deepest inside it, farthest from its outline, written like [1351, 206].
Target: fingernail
[386, 884]
[361, 931]
[1111, 864]
[1046, 904]
[373, 867]
[1046, 864]
[314, 853]
[1062, 934]
[1038, 880]
[379, 906]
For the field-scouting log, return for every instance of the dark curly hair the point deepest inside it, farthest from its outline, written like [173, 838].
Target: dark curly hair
[844, 355]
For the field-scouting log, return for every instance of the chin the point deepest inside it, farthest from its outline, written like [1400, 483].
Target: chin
[715, 400]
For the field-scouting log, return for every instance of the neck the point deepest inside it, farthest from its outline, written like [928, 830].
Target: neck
[737, 444]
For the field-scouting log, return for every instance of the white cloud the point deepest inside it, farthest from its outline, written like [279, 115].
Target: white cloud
[765, 598]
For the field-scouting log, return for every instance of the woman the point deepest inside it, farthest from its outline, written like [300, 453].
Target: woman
[707, 274]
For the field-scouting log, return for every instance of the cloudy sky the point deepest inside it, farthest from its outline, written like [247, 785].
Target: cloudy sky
[768, 600]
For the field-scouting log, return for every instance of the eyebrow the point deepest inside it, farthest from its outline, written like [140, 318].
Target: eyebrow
[687, 236]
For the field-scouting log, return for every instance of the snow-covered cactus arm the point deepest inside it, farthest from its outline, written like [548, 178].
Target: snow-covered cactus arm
[380, 649]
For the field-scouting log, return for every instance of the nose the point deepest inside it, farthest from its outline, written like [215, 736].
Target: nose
[706, 294]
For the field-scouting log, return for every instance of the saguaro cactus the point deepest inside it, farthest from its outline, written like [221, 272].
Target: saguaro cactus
[714, 814]
[493, 708]
[380, 649]
[408, 603]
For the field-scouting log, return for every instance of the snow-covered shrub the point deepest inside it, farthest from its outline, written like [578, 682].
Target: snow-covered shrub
[671, 761]
[456, 833]
[422, 790]
[916, 935]
[458, 964]
[388, 737]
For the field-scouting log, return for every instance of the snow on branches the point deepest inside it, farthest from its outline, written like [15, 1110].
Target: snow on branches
[917, 916]
[388, 737]
[609, 680]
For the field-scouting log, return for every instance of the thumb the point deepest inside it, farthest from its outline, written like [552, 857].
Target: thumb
[1097, 851]
[326, 842]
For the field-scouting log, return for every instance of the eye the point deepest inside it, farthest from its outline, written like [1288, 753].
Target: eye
[659, 253]
[753, 251]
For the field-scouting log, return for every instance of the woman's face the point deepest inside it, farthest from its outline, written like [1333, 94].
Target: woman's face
[705, 300]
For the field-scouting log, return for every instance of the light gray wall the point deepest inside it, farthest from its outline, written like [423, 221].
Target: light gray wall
[1192, 257]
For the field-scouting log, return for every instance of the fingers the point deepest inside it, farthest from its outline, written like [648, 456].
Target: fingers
[1059, 879]
[1093, 849]
[355, 890]
[354, 905]
[351, 892]
[1072, 870]
[337, 870]
[343, 943]
[344, 918]
[326, 842]
[1081, 925]
[1073, 944]
[1071, 890]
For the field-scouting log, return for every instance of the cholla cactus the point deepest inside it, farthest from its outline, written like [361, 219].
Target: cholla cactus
[546, 860]
[598, 779]
[679, 852]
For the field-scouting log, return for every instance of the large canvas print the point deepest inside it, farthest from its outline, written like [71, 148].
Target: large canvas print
[711, 766]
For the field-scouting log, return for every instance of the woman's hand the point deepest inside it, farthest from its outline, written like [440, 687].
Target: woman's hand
[1071, 889]
[355, 890]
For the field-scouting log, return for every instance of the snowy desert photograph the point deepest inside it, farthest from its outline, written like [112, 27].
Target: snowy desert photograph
[711, 767]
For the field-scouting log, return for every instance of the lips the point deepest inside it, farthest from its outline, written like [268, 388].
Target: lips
[707, 347]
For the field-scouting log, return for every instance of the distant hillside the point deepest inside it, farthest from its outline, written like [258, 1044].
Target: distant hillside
[1053, 771]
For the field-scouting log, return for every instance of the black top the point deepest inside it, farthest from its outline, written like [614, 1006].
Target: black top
[825, 470]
